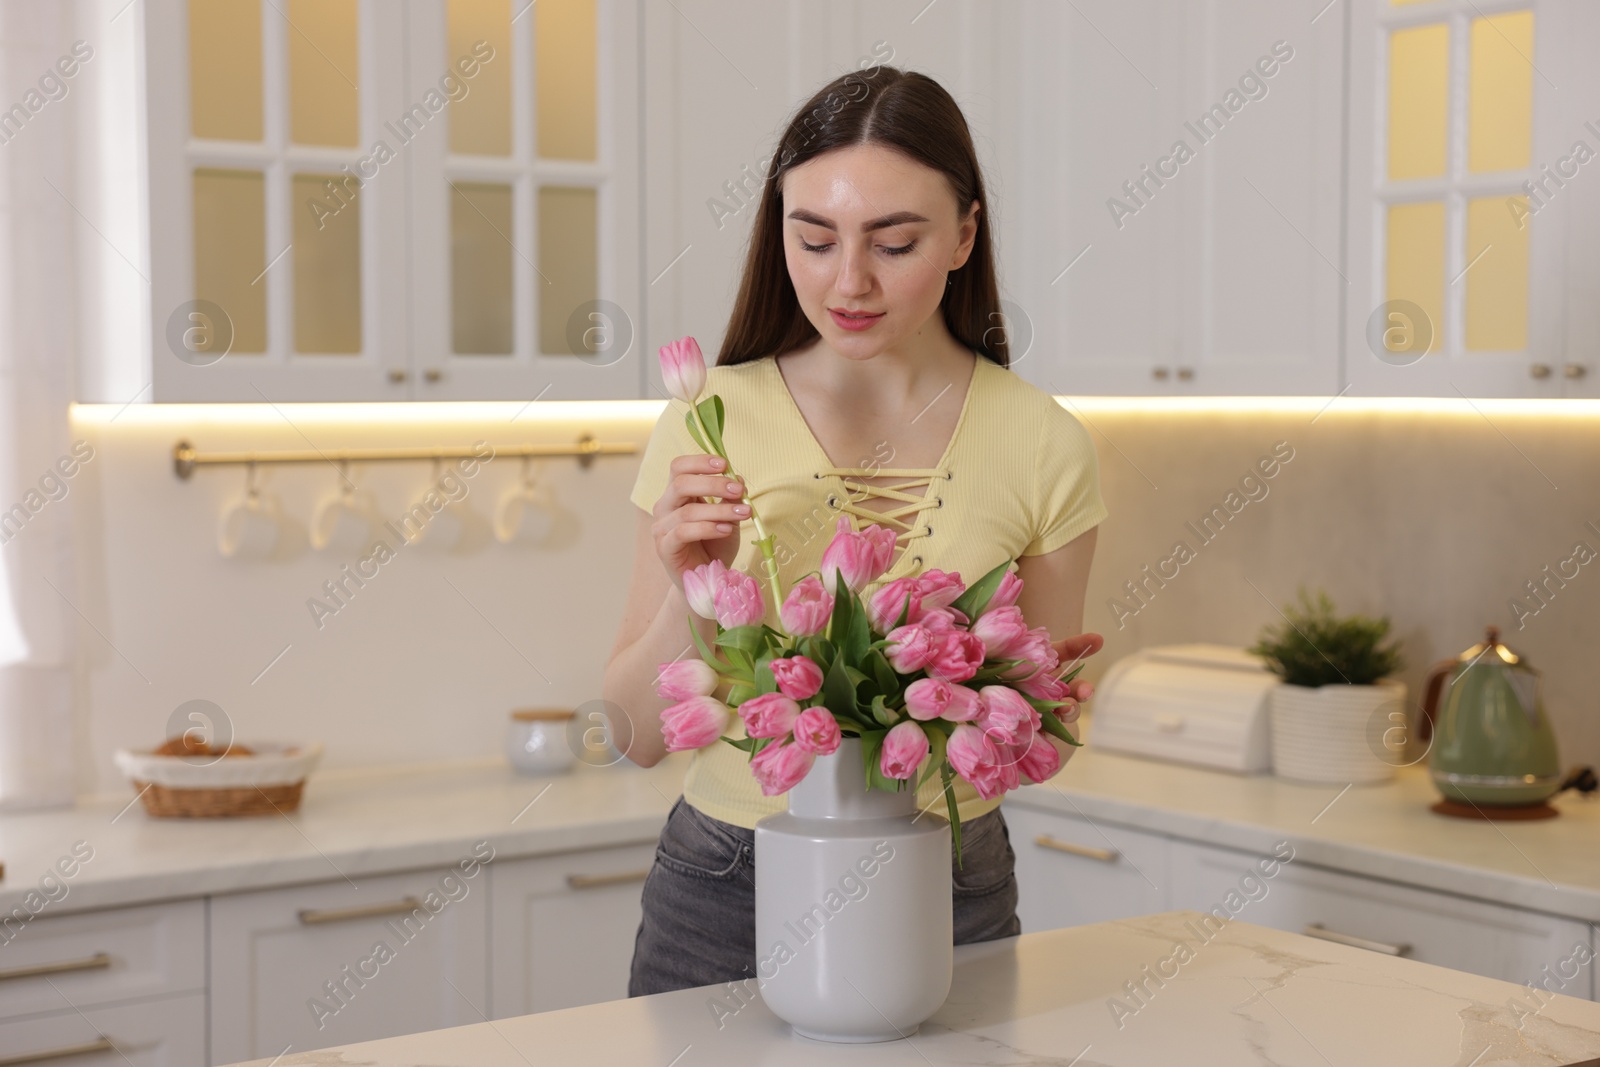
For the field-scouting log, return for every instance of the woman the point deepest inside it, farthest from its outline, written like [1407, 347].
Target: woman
[864, 375]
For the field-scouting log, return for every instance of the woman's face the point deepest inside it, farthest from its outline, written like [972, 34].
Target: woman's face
[867, 230]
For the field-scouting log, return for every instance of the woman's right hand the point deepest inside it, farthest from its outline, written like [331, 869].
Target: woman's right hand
[690, 532]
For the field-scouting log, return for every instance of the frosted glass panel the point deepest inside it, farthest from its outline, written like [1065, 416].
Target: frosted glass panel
[225, 69]
[481, 268]
[568, 261]
[566, 83]
[230, 226]
[326, 261]
[1497, 284]
[1500, 93]
[324, 70]
[1419, 103]
[1415, 262]
[480, 37]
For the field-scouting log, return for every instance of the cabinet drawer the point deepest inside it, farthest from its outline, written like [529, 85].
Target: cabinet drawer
[564, 928]
[168, 1032]
[1467, 935]
[334, 962]
[97, 957]
[1072, 870]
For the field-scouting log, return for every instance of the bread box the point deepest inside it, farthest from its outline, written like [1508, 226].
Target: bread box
[1200, 703]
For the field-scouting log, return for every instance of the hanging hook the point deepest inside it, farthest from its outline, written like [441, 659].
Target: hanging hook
[250, 489]
[348, 490]
[527, 472]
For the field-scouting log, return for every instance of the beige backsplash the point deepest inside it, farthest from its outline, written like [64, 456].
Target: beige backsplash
[1436, 519]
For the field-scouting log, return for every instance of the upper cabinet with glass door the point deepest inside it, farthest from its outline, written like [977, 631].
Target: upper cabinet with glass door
[1458, 232]
[368, 200]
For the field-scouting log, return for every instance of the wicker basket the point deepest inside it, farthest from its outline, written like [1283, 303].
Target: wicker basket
[268, 782]
[239, 800]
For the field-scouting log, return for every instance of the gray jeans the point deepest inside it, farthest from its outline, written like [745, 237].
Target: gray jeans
[699, 923]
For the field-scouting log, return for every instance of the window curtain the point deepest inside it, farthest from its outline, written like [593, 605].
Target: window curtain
[39, 243]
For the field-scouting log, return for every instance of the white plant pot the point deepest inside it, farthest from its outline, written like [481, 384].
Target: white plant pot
[856, 891]
[1335, 733]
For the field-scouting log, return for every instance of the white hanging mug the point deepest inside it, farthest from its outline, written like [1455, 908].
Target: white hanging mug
[343, 522]
[251, 526]
[525, 515]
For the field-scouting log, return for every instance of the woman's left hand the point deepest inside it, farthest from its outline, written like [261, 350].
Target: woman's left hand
[1071, 650]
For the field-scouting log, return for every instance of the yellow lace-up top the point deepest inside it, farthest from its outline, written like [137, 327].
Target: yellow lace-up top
[1018, 477]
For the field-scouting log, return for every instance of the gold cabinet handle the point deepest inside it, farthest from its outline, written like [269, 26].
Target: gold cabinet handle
[100, 1044]
[595, 881]
[1104, 855]
[1320, 931]
[88, 963]
[1576, 370]
[313, 916]
[1539, 370]
[397, 375]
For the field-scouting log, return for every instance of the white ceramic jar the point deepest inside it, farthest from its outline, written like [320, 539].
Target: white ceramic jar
[536, 741]
[853, 911]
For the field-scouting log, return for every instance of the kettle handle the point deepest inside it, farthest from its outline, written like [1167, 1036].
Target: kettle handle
[1432, 690]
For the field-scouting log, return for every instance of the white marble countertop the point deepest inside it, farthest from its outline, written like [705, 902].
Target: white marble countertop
[1245, 995]
[1384, 830]
[372, 821]
[349, 822]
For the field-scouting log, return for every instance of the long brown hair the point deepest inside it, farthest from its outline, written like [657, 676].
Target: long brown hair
[902, 110]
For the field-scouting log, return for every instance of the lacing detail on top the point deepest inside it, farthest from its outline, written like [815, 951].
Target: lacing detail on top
[910, 505]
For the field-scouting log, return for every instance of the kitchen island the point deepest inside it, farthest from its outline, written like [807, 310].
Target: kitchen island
[1179, 987]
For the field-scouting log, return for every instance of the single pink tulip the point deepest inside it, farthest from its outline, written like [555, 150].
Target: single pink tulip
[905, 746]
[1035, 649]
[1006, 717]
[769, 715]
[939, 588]
[780, 766]
[965, 705]
[1036, 761]
[909, 648]
[817, 731]
[1000, 629]
[1042, 685]
[939, 619]
[683, 369]
[685, 678]
[859, 557]
[738, 601]
[929, 698]
[693, 723]
[700, 586]
[885, 605]
[1005, 593]
[807, 608]
[798, 677]
[977, 760]
[957, 655]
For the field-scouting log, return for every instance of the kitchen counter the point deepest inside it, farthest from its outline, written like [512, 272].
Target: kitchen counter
[1383, 830]
[368, 821]
[1242, 994]
[350, 822]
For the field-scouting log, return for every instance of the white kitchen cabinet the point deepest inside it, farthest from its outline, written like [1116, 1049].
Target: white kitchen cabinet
[311, 966]
[87, 959]
[1072, 871]
[564, 928]
[164, 1032]
[368, 200]
[1468, 935]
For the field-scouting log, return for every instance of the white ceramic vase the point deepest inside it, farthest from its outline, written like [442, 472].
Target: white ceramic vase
[853, 909]
[1337, 733]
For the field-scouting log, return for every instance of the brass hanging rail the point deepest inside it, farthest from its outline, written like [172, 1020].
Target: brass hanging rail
[185, 458]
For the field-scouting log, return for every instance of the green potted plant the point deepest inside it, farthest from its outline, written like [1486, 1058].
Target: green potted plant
[1334, 716]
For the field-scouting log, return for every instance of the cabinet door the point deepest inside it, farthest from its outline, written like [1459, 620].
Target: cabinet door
[564, 928]
[1259, 204]
[1072, 871]
[525, 230]
[1467, 935]
[334, 962]
[166, 1032]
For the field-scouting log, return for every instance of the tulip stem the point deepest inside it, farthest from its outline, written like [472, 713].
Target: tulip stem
[764, 542]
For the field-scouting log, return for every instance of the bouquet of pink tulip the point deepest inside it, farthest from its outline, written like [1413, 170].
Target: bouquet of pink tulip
[929, 673]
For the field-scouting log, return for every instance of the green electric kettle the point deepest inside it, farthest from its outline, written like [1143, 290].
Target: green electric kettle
[1492, 743]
